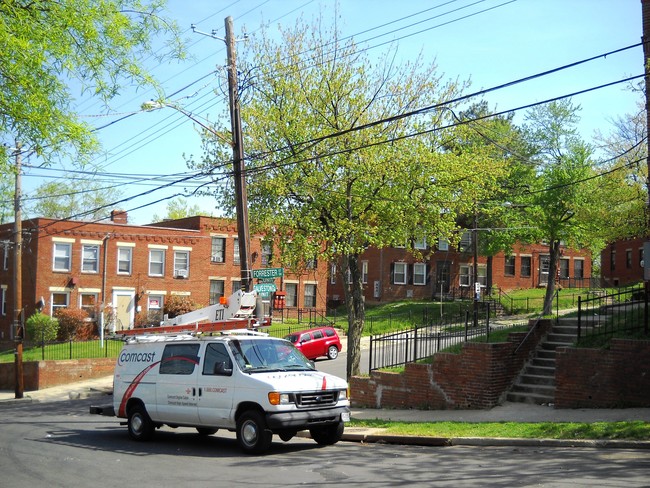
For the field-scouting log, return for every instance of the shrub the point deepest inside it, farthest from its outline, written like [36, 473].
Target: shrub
[179, 304]
[72, 322]
[41, 327]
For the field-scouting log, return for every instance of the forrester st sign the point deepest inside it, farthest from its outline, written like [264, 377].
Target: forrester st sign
[268, 273]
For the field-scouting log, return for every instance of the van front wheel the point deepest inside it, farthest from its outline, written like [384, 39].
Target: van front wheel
[328, 435]
[140, 426]
[252, 435]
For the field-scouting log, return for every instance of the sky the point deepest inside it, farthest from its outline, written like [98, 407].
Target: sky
[488, 42]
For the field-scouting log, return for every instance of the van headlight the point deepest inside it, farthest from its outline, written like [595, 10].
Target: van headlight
[277, 398]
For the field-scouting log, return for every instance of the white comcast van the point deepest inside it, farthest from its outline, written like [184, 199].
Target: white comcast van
[249, 383]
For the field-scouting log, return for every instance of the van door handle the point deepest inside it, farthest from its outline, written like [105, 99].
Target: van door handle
[200, 391]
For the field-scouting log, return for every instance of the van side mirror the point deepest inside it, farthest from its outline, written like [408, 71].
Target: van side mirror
[222, 369]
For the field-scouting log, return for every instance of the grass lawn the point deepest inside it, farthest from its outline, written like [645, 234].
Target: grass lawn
[637, 430]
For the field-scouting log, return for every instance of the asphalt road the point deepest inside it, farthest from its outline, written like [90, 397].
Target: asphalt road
[59, 444]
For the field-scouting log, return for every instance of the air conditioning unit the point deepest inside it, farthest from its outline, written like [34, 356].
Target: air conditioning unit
[180, 273]
[217, 259]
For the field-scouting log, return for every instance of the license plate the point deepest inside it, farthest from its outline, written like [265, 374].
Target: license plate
[345, 416]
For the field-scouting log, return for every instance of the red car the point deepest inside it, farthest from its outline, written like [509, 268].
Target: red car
[314, 343]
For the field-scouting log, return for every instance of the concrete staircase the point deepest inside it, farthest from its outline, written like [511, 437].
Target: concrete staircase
[536, 382]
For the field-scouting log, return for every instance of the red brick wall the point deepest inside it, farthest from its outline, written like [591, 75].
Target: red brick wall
[596, 378]
[474, 379]
[616, 270]
[44, 374]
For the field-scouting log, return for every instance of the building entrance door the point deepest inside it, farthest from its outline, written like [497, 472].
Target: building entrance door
[123, 305]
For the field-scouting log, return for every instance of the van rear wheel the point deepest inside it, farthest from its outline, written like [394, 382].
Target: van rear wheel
[252, 435]
[140, 426]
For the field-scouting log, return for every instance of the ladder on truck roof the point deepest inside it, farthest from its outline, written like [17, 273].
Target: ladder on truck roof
[217, 326]
[186, 336]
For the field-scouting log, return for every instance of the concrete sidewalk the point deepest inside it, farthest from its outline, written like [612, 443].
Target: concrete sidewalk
[102, 389]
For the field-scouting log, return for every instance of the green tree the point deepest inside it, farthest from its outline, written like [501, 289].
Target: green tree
[48, 47]
[565, 200]
[334, 165]
[178, 208]
[80, 199]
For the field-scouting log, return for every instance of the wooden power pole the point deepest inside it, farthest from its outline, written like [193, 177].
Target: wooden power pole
[17, 280]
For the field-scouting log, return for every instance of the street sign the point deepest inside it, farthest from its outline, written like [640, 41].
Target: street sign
[268, 273]
[264, 287]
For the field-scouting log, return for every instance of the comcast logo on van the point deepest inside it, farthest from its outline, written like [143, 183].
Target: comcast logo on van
[136, 357]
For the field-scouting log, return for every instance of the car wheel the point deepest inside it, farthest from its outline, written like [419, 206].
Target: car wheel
[328, 435]
[333, 352]
[252, 435]
[206, 431]
[140, 426]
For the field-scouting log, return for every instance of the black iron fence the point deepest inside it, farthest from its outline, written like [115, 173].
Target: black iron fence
[602, 314]
[62, 350]
[399, 348]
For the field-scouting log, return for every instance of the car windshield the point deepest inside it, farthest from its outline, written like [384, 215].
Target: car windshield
[264, 355]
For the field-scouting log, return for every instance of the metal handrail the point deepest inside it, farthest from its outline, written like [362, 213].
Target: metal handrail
[538, 319]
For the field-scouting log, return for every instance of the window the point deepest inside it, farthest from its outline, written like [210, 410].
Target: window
[124, 255]
[578, 269]
[59, 300]
[182, 263]
[90, 258]
[179, 359]
[311, 263]
[89, 302]
[217, 361]
[62, 256]
[5, 257]
[509, 269]
[156, 262]
[525, 266]
[216, 291]
[364, 271]
[419, 274]
[612, 260]
[564, 268]
[155, 307]
[420, 243]
[3, 301]
[267, 253]
[443, 245]
[399, 273]
[640, 257]
[482, 275]
[235, 251]
[465, 242]
[628, 258]
[318, 334]
[310, 295]
[291, 298]
[236, 286]
[465, 274]
[218, 250]
[333, 274]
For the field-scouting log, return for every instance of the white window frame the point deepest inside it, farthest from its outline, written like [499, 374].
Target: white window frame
[3, 301]
[464, 275]
[465, 243]
[94, 262]
[124, 259]
[333, 274]
[5, 259]
[417, 274]
[235, 251]
[218, 249]
[53, 307]
[160, 262]
[267, 253]
[420, 243]
[443, 244]
[95, 295]
[291, 290]
[404, 271]
[178, 268]
[61, 246]
[223, 291]
[364, 272]
[310, 295]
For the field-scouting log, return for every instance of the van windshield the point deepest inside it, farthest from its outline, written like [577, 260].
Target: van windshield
[264, 355]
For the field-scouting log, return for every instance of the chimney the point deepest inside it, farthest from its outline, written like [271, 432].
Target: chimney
[119, 217]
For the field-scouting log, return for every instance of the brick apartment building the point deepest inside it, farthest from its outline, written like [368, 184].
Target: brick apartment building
[394, 274]
[622, 262]
[135, 269]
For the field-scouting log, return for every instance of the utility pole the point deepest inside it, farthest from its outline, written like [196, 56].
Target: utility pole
[645, 39]
[238, 160]
[17, 279]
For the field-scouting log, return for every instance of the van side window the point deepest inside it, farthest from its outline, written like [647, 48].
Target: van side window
[217, 361]
[179, 359]
[329, 332]
[318, 334]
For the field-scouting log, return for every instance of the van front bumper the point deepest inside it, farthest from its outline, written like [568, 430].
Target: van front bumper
[307, 418]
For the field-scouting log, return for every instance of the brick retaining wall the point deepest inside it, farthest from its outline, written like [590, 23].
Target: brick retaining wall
[613, 378]
[476, 378]
[44, 374]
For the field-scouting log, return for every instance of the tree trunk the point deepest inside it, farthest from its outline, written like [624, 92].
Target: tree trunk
[554, 252]
[355, 304]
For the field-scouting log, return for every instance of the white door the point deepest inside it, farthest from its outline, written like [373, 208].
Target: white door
[124, 307]
[215, 385]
